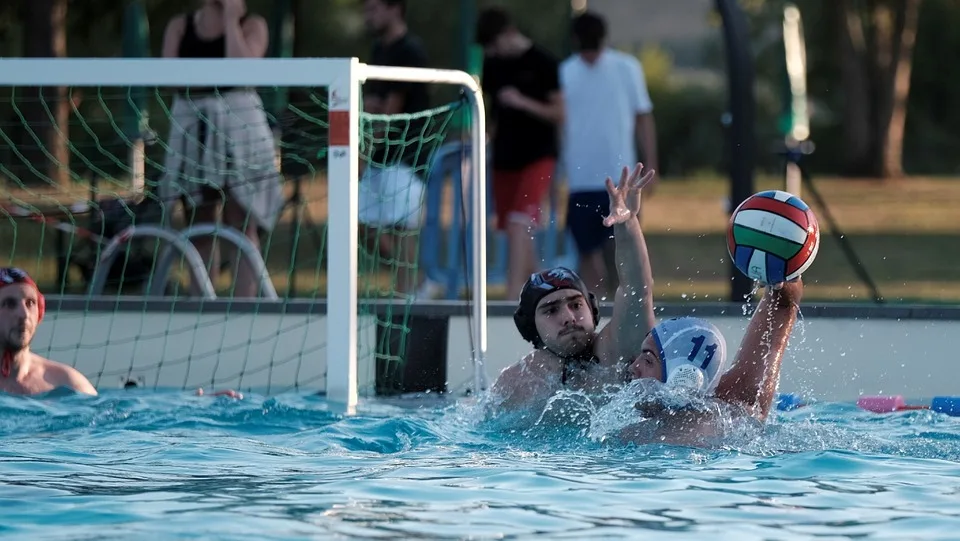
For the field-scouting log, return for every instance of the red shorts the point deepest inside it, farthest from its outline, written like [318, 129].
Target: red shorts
[519, 195]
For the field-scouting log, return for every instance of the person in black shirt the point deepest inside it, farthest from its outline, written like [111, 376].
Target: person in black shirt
[394, 46]
[523, 84]
[391, 188]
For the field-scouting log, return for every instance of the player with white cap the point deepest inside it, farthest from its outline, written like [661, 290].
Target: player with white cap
[690, 353]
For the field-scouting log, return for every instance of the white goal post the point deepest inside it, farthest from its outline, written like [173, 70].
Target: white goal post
[343, 78]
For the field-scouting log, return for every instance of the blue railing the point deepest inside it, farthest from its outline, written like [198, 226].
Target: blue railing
[445, 252]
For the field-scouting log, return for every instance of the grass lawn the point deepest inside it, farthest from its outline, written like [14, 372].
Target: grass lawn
[906, 233]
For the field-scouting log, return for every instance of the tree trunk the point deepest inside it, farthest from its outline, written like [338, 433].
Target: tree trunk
[876, 51]
[856, 90]
[906, 19]
[43, 144]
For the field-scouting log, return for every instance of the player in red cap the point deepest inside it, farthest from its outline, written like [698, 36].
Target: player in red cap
[23, 372]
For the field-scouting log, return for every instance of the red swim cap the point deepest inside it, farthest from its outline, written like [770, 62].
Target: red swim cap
[13, 275]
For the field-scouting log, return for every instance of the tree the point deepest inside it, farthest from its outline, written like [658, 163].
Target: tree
[877, 39]
[43, 138]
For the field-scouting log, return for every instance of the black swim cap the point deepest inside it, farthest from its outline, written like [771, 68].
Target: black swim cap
[538, 286]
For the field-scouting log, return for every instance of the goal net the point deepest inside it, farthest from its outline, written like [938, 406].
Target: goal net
[234, 223]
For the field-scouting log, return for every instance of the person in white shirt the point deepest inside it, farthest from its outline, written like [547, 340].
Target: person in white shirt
[608, 111]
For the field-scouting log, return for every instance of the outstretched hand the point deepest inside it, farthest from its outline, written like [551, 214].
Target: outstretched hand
[625, 197]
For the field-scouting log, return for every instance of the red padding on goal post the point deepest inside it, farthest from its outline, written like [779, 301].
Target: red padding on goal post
[339, 128]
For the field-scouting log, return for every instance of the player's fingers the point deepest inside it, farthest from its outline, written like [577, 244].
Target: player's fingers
[647, 178]
[611, 189]
[624, 177]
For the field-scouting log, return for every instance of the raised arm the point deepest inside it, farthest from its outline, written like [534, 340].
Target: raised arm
[753, 378]
[633, 305]
[249, 38]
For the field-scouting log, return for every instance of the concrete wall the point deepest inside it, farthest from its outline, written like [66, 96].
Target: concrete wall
[828, 358]
[837, 353]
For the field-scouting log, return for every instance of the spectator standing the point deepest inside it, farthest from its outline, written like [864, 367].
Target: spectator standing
[221, 156]
[608, 112]
[522, 81]
[392, 187]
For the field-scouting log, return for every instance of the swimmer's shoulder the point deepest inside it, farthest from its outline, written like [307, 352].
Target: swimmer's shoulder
[62, 375]
[527, 381]
[536, 363]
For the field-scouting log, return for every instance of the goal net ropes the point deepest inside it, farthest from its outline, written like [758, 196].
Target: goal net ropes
[228, 223]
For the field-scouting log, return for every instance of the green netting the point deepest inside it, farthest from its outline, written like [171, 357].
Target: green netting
[65, 169]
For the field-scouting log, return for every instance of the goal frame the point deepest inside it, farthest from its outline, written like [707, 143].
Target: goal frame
[343, 78]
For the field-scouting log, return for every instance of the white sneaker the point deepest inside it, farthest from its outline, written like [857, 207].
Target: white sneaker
[429, 290]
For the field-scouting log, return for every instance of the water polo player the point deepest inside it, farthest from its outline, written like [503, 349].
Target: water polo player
[686, 352]
[691, 352]
[23, 372]
[559, 316]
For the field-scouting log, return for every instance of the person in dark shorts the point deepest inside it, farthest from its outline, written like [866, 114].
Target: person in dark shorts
[608, 115]
[392, 183]
[522, 81]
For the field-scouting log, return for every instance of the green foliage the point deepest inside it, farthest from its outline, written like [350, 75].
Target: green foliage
[689, 133]
[934, 112]
[688, 111]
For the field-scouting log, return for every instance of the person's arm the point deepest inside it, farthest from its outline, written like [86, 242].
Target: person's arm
[752, 380]
[646, 133]
[644, 125]
[172, 36]
[248, 39]
[551, 110]
[225, 392]
[633, 315]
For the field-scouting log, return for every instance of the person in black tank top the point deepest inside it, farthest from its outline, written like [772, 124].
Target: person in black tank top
[194, 46]
[221, 157]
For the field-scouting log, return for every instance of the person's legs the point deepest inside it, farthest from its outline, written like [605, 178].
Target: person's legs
[585, 212]
[391, 206]
[530, 187]
[205, 210]
[245, 283]
[505, 189]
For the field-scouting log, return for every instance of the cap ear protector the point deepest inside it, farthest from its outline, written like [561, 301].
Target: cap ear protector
[538, 286]
[13, 275]
[692, 352]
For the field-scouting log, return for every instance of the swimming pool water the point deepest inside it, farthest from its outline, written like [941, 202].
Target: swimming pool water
[168, 465]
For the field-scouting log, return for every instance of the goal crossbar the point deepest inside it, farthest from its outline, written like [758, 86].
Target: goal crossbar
[342, 77]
